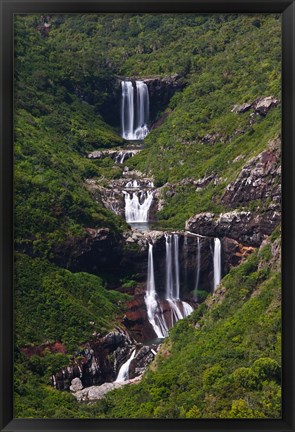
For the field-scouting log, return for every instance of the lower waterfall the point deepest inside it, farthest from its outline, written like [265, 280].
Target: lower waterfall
[154, 310]
[137, 205]
[217, 262]
[179, 309]
[123, 374]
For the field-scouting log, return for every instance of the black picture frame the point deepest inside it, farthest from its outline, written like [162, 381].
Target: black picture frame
[11, 7]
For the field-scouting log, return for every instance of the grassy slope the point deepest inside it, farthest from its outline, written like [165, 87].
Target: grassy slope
[55, 304]
[221, 74]
[223, 362]
[56, 126]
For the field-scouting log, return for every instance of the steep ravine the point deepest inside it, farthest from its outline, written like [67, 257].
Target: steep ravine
[173, 271]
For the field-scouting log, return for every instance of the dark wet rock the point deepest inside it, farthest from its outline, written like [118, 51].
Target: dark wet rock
[161, 89]
[98, 362]
[98, 250]
[248, 228]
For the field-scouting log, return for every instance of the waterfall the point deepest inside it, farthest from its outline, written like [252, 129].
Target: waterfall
[137, 205]
[134, 115]
[185, 246]
[132, 184]
[153, 310]
[179, 309]
[142, 111]
[217, 262]
[198, 266]
[123, 374]
[127, 109]
[176, 266]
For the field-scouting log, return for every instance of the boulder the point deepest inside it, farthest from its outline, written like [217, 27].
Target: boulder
[261, 106]
[76, 385]
[98, 392]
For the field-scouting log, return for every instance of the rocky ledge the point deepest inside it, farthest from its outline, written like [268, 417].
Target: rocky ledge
[261, 106]
[259, 182]
[259, 179]
[249, 228]
[119, 156]
[94, 393]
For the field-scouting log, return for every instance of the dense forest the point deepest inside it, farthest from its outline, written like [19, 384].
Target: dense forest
[210, 167]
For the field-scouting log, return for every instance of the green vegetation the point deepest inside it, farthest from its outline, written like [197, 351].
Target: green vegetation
[222, 362]
[55, 304]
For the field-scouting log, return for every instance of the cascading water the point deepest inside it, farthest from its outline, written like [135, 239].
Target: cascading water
[179, 309]
[185, 255]
[123, 374]
[176, 267]
[135, 114]
[127, 111]
[132, 184]
[142, 111]
[137, 205]
[217, 262]
[154, 311]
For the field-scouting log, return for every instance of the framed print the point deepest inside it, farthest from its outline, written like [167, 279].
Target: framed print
[147, 216]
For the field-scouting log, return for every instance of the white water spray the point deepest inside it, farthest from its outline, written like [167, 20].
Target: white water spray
[155, 314]
[135, 114]
[217, 262]
[137, 205]
[123, 374]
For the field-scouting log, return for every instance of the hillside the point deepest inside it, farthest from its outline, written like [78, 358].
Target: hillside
[210, 169]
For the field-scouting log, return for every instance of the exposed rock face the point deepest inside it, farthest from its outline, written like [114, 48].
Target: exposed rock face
[100, 361]
[96, 251]
[259, 179]
[246, 227]
[233, 253]
[119, 156]
[261, 106]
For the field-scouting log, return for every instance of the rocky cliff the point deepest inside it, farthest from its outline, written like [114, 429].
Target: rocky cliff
[255, 196]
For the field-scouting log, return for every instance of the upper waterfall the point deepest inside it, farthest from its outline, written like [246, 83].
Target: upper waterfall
[135, 110]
